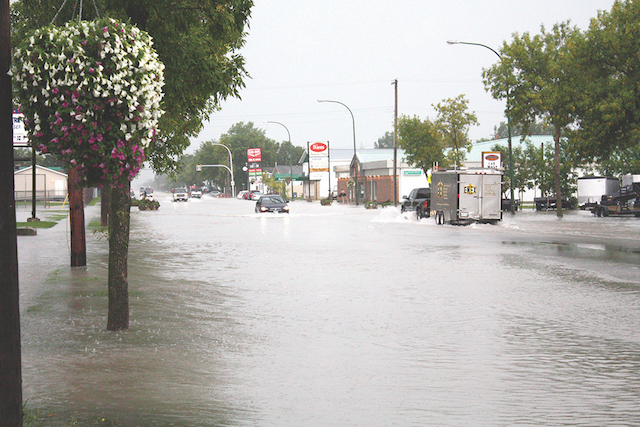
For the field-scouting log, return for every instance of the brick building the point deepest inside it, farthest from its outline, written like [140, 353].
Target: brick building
[375, 176]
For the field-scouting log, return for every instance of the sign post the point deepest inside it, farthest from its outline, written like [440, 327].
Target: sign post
[254, 164]
[319, 161]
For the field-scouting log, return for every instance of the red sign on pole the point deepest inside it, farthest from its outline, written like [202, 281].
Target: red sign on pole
[319, 149]
[254, 155]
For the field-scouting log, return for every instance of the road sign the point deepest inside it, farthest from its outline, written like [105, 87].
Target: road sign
[20, 137]
[254, 155]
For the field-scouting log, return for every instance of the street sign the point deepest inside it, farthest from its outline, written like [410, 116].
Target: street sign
[20, 137]
[318, 160]
[492, 159]
[254, 155]
[319, 149]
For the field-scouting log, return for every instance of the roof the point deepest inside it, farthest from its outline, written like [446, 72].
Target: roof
[378, 154]
[38, 167]
[346, 154]
[516, 141]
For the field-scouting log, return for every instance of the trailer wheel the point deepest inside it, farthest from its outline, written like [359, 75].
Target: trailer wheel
[598, 211]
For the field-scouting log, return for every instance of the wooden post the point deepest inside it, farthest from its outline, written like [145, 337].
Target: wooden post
[10, 357]
[76, 219]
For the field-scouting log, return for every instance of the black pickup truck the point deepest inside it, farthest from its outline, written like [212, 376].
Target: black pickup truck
[419, 200]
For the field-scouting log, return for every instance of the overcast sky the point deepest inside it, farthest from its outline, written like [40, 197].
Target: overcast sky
[299, 51]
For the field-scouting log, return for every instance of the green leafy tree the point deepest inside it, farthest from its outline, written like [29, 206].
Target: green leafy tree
[275, 186]
[607, 105]
[621, 162]
[240, 137]
[502, 131]
[385, 141]
[288, 154]
[421, 141]
[198, 41]
[453, 123]
[536, 76]
[533, 167]
[91, 93]
[522, 172]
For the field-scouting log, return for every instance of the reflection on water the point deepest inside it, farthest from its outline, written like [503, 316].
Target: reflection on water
[337, 315]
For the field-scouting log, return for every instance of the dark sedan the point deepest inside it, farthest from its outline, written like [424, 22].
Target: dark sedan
[272, 203]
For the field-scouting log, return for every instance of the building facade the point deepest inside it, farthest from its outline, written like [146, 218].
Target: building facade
[50, 184]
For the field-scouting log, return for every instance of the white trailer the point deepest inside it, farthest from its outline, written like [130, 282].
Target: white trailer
[464, 196]
[592, 188]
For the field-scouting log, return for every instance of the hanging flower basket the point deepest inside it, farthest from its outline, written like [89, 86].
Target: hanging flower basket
[91, 94]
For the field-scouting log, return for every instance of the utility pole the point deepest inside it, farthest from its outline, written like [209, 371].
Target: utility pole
[395, 146]
[76, 219]
[10, 352]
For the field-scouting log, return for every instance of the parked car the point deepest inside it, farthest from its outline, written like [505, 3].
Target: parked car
[272, 203]
[419, 200]
[196, 194]
[506, 204]
[255, 195]
[180, 194]
[249, 194]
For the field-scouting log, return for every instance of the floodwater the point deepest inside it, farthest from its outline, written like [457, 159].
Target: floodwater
[339, 316]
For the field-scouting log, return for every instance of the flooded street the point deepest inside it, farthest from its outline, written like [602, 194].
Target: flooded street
[339, 316]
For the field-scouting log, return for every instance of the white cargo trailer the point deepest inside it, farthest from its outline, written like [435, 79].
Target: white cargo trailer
[465, 196]
[592, 188]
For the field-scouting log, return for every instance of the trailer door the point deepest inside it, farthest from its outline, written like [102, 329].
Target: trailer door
[490, 201]
[470, 186]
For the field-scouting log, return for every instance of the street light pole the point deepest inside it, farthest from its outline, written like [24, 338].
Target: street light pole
[512, 204]
[230, 168]
[290, 164]
[353, 120]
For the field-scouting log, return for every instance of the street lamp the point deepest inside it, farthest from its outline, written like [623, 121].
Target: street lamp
[290, 164]
[512, 204]
[230, 168]
[354, 142]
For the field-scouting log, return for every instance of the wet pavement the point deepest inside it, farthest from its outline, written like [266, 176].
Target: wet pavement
[336, 316]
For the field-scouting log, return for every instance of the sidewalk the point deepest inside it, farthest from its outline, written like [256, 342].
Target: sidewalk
[47, 251]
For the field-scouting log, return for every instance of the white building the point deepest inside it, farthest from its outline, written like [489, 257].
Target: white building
[50, 184]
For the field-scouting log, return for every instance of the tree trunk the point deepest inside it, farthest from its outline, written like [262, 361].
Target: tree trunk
[119, 220]
[10, 358]
[76, 219]
[104, 206]
[556, 138]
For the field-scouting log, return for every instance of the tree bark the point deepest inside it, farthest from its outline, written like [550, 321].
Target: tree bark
[10, 357]
[104, 206]
[76, 219]
[119, 220]
[556, 138]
